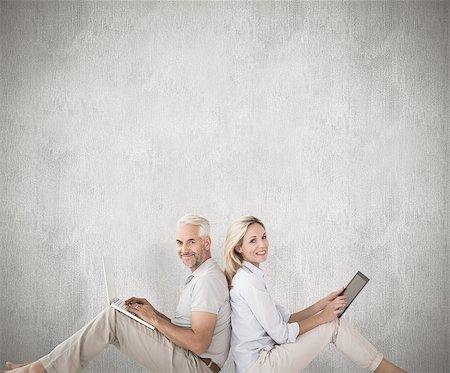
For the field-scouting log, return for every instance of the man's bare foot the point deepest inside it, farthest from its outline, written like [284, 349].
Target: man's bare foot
[10, 365]
[35, 367]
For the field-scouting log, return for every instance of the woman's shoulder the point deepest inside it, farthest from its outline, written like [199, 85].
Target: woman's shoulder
[244, 279]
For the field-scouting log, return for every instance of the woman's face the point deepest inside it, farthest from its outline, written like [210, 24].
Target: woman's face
[255, 245]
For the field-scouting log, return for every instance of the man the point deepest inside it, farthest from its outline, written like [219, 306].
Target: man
[196, 340]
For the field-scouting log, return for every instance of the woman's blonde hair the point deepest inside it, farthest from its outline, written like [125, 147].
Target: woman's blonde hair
[236, 232]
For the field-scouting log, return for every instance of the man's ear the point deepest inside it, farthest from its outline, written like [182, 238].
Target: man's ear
[207, 241]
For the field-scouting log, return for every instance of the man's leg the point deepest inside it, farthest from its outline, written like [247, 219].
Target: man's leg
[153, 350]
[293, 357]
[148, 347]
[76, 351]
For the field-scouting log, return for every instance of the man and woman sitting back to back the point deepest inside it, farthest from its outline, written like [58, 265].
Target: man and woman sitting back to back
[264, 336]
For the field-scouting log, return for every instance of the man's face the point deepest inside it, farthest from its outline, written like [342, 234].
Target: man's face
[192, 249]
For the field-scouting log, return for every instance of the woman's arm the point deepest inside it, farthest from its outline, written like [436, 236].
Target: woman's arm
[315, 308]
[329, 313]
[306, 313]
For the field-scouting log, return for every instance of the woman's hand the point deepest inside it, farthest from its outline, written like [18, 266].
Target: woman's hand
[333, 309]
[329, 298]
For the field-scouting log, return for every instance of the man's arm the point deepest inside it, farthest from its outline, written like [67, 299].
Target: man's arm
[163, 316]
[196, 339]
[133, 301]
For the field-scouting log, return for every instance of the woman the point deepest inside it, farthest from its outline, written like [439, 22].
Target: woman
[265, 337]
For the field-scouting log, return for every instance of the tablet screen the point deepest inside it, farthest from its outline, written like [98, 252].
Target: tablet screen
[353, 289]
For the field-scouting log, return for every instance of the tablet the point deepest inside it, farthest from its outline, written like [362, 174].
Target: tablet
[353, 289]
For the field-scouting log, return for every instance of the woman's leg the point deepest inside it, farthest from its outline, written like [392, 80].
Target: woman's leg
[387, 367]
[356, 347]
[293, 357]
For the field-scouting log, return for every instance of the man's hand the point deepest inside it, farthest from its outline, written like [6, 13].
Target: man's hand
[197, 338]
[142, 308]
[137, 300]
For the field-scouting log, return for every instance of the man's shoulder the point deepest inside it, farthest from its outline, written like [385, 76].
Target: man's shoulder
[213, 270]
[212, 280]
[210, 284]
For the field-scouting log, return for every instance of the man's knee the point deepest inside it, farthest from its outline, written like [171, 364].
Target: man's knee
[108, 313]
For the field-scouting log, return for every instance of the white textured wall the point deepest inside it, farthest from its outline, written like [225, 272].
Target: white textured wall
[448, 180]
[329, 121]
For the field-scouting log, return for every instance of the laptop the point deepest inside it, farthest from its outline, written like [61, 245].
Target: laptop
[113, 300]
[353, 289]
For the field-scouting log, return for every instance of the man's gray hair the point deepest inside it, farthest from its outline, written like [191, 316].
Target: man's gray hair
[196, 220]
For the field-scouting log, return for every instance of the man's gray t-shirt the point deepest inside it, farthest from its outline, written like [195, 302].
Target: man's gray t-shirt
[206, 290]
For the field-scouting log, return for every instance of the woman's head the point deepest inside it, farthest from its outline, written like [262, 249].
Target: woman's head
[246, 240]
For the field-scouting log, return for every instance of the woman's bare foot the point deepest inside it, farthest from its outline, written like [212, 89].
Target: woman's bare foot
[387, 367]
[35, 367]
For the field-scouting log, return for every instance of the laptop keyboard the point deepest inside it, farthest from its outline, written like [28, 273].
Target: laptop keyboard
[118, 302]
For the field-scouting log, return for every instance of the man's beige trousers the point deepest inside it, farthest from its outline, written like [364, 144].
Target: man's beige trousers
[293, 357]
[148, 347]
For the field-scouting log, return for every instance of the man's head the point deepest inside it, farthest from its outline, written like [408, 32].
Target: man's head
[193, 240]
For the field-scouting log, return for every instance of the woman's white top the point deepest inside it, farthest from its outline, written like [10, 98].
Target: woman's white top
[257, 322]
